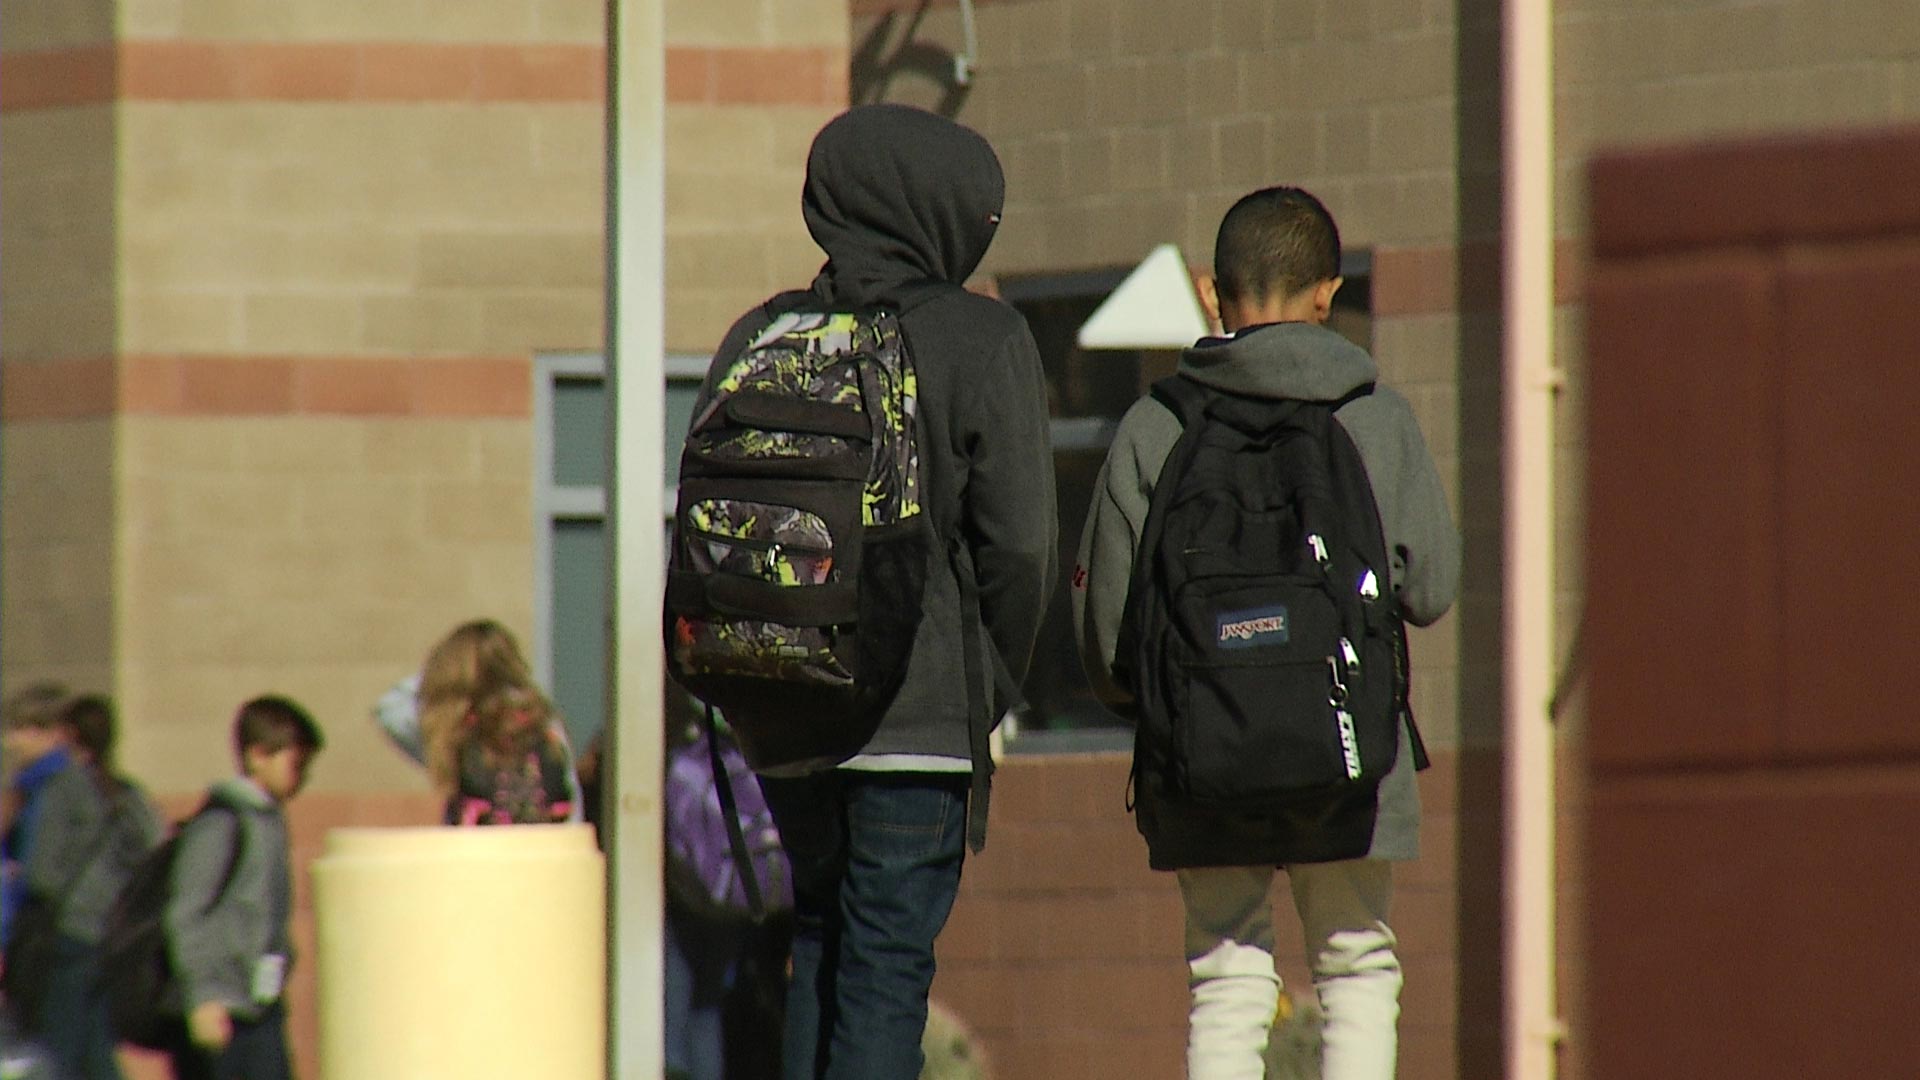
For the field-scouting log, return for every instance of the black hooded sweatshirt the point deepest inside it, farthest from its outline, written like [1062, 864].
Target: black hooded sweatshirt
[899, 198]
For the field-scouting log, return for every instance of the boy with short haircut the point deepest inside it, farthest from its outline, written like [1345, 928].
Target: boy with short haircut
[1276, 269]
[228, 919]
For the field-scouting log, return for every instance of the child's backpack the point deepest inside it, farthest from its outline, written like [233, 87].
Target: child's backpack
[136, 966]
[530, 787]
[1264, 650]
[33, 940]
[800, 544]
[724, 860]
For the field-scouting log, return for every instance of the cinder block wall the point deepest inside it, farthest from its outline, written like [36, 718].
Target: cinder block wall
[58, 309]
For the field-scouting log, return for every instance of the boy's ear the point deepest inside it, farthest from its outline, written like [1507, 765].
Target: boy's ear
[1323, 297]
[1209, 299]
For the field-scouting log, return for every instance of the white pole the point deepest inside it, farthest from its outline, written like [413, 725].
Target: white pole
[636, 271]
[1527, 395]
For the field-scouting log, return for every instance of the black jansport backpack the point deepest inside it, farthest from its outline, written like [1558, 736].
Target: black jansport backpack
[800, 544]
[1264, 650]
[136, 965]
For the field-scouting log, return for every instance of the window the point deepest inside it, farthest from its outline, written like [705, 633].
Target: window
[1087, 393]
[570, 522]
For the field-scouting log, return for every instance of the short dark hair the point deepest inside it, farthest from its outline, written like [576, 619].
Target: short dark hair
[90, 719]
[1275, 242]
[273, 723]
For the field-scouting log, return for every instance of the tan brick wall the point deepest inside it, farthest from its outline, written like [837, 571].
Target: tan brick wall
[343, 229]
[1124, 125]
[330, 20]
[57, 512]
[1629, 73]
[57, 552]
[736, 23]
[57, 25]
[314, 556]
[734, 234]
[321, 555]
[57, 180]
[734, 172]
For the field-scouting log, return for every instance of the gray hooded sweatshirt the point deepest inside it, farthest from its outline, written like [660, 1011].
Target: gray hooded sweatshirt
[93, 831]
[218, 937]
[1278, 360]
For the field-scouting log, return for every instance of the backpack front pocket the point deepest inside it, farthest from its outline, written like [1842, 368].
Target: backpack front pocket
[784, 545]
[1257, 710]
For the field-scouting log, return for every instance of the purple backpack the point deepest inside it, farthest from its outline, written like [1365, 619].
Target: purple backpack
[712, 870]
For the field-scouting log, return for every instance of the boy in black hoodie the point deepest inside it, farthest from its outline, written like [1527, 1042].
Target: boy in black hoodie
[905, 203]
[1276, 269]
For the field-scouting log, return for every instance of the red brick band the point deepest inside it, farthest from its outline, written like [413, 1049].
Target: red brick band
[405, 72]
[171, 385]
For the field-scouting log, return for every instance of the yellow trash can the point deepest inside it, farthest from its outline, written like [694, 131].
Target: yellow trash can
[463, 953]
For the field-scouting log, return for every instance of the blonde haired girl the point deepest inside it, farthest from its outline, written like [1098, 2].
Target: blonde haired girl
[493, 743]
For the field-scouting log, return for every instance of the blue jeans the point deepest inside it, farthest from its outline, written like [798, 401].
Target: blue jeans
[876, 865]
[695, 1012]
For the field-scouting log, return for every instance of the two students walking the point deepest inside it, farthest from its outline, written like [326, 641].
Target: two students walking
[905, 205]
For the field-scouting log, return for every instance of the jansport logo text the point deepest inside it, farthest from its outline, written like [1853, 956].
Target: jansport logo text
[1246, 629]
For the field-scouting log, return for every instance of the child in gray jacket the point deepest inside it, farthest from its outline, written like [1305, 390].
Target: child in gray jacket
[1276, 269]
[228, 921]
[95, 826]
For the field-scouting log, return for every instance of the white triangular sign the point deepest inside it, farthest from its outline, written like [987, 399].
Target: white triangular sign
[1154, 308]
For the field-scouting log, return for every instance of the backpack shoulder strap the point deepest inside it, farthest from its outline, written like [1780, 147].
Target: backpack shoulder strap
[730, 809]
[1183, 397]
[217, 805]
[1345, 452]
[1187, 400]
[1353, 395]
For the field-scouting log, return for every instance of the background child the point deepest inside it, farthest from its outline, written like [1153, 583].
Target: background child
[492, 741]
[228, 919]
[94, 828]
[35, 748]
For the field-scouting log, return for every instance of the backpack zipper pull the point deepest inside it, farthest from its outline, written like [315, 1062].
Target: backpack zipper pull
[1319, 546]
[1337, 693]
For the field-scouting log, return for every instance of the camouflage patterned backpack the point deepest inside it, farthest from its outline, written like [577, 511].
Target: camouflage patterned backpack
[800, 545]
